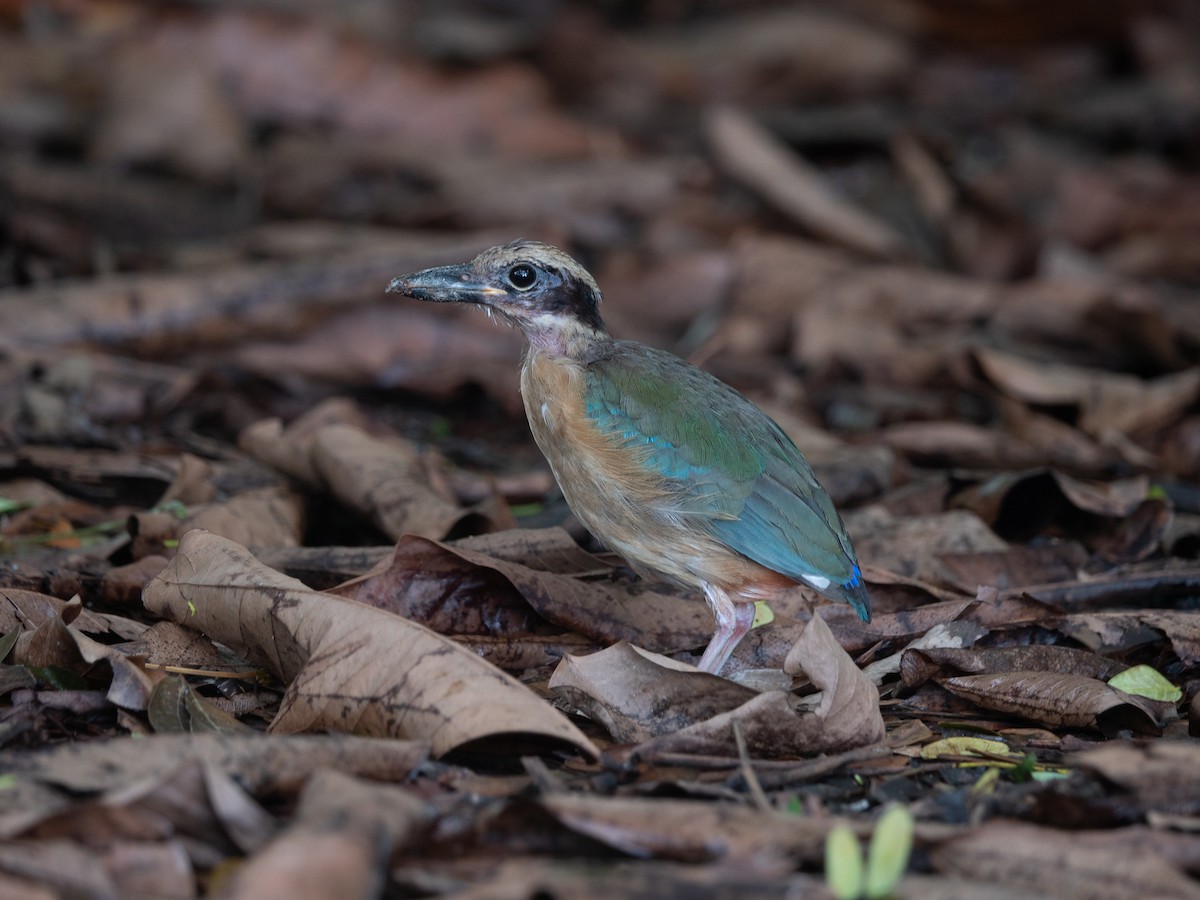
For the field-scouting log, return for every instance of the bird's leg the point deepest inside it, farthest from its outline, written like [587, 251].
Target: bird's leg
[733, 622]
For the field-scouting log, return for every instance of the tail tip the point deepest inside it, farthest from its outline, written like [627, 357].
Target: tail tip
[856, 594]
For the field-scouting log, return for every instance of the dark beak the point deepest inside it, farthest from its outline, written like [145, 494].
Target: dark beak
[445, 284]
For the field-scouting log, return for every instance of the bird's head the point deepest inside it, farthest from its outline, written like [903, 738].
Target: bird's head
[533, 286]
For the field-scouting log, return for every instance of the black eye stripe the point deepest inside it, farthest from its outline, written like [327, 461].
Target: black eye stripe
[522, 276]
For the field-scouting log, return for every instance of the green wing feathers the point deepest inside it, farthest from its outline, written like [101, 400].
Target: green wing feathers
[730, 467]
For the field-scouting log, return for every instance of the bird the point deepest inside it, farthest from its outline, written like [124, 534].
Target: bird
[662, 462]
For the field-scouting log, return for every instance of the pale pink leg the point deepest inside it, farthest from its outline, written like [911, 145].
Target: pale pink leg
[733, 622]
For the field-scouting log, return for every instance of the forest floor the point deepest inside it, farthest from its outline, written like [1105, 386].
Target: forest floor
[290, 603]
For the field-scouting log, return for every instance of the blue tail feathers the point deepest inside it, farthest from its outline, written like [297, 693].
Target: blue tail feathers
[856, 595]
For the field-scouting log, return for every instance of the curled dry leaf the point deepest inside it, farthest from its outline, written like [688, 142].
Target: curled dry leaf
[849, 708]
[57, 642]
[919, 664]
[953, 636]
[1075, 701]
[383, 479]
[638, 698]
[349, 667]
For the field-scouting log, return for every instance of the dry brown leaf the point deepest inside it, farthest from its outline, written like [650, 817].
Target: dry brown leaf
[263, 764]
[919, 665]
[911, 546]
[904, 625]
[1163, 776]
[66, 868]
[960, 444]
[121, 586]
[175, 707]
[638, 696]
[1107, 401]
[667, 297]
[690, 831]
[480, 190]
[385, 480]
[57, 642]
[1106, 631]
[1034, 858]
[544, 549]
[28, 609]
[163, 109]
[848, 713]
[171, 312]
[339, 842]
[398, 348]
[269, 517]
[601, 609]
[1018, 566]
[425, 583]
[150, 869]
[348, 667]
[753, 155]
[294, 71]
[1075, 701]
[1115, 519]
[767, 55]
[538, 875]
[667, 708]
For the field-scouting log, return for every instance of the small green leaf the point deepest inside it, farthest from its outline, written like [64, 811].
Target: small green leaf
[968, 746]
[1048, 775]
[891, 845]
[191, 608]
[985, 784]
[8, 781]
[843, 863]
[9, 506]
[176, 508]
[59, 678]
[1024, 770]
[525, 510]
[763, 614]
[1146, 681]
[1156, 492]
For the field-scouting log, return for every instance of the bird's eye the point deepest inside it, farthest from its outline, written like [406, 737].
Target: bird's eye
[522, 276]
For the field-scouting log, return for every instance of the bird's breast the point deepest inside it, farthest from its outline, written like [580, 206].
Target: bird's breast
[592, 468]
